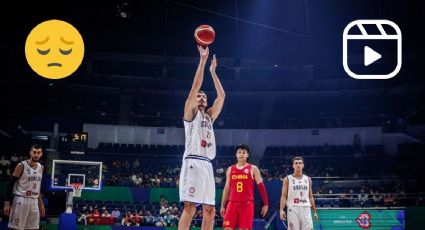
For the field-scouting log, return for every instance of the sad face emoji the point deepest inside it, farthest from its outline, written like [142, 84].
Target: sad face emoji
[54, 49]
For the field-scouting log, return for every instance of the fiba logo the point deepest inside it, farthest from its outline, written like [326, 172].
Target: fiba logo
[363, 220]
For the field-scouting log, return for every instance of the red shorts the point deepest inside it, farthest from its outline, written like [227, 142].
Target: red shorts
[240, 214]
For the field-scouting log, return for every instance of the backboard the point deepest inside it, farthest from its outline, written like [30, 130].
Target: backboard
[66, 172]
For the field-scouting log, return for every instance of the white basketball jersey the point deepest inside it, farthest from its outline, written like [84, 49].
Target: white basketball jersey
[298, 191]
[28, 185]
[200, 138]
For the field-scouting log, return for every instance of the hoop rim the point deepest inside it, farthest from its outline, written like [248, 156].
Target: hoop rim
[76, 186]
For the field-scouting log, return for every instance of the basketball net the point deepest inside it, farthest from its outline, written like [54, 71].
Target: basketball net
[76, 192]
[76, 188]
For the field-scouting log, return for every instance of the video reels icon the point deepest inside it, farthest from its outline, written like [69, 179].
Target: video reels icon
[368, 44]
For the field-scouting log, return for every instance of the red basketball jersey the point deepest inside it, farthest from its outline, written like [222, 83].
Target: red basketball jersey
[241, 184]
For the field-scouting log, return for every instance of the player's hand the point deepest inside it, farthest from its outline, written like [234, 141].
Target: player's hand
[282, 215]
[203, 52]
[316, 217]
[213, 65]
[42, 211]
[222, 212]
[264, 210]
[6, 208]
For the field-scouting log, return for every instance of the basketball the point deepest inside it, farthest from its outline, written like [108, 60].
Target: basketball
[204, 35]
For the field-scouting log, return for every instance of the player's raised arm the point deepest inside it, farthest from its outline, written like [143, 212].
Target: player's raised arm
[215, 110]
[283, 198]
[313, 205]
[259, 180]
[190, 107]
[226, 193]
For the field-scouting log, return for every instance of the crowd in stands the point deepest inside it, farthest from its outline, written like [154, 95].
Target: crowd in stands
[297, 110]
[8, 163]
[343, 176]
[159, 214]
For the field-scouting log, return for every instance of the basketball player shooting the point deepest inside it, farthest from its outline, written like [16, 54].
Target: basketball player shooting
[197, 185]
[239, 190]
[25, 183]
[297, 194]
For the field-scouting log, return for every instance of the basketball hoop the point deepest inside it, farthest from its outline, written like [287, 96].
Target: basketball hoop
[76, 188]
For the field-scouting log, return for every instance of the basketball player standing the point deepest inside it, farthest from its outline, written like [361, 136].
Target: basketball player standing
[239, 190]
[25, 183]
[297, 193]
[197, 185]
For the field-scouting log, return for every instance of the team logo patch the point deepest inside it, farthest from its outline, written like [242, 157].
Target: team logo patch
[363, 220]
[291, 225]
[246, 171]
[16, 220]
[192, 190]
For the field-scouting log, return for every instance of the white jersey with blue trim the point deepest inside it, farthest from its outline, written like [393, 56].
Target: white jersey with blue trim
[298, 191]
[200, 138]
[28, 185]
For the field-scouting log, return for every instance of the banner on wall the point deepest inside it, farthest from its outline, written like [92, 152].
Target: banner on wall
[371, 219]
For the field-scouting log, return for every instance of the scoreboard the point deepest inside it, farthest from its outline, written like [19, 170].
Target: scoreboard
[78, 142]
